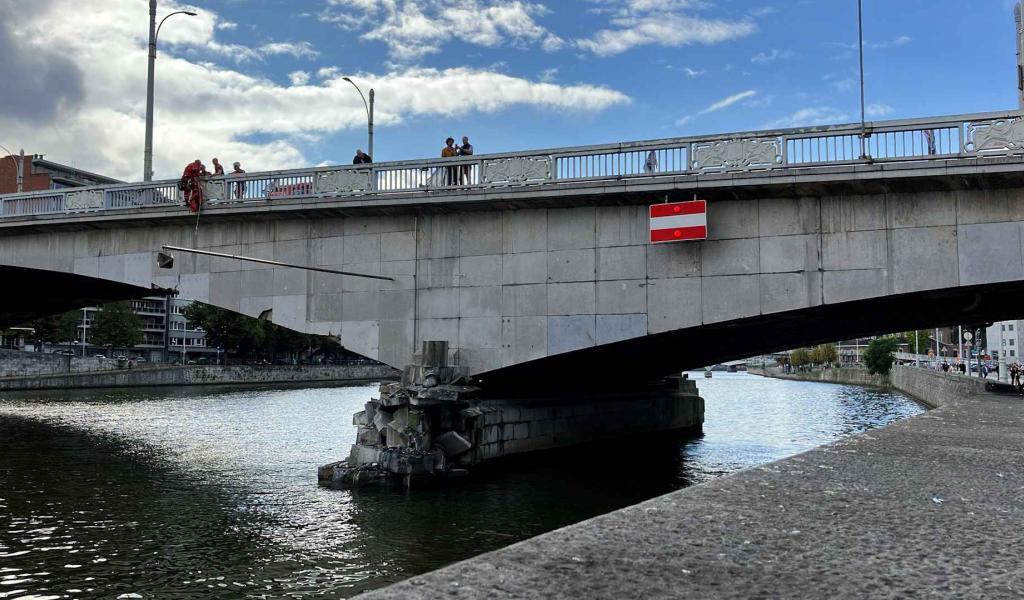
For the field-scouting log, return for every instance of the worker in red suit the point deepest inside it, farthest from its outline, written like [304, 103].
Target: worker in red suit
[191, 185]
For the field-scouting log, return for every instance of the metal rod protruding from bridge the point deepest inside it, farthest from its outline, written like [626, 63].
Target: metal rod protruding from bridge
[274, 262]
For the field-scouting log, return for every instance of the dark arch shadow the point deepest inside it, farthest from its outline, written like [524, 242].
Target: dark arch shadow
[34, 293]
[627, 362]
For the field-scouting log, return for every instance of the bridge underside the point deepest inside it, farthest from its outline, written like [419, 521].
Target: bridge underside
[638, 359]
[34, 293]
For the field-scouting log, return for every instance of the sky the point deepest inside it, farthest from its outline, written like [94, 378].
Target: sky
[260, 81]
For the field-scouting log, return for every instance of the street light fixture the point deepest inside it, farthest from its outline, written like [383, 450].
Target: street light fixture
[154, 32]
[369, 115]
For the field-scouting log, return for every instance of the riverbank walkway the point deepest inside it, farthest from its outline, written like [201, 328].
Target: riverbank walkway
[932, 506]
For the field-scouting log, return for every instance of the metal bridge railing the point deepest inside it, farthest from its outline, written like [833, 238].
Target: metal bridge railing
[962, 136]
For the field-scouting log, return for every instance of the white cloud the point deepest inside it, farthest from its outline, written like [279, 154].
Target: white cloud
[204, 109]
[694, 73]
[877, 109]
[764, 58]
[641, 23]
[296, 49]
[227, 25]
[549, 75]
[298, 77]
[806, 117]
[413, 29]
[902, 40]
[717, 106]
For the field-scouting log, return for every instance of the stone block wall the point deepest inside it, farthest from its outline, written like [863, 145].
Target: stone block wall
[15, 363]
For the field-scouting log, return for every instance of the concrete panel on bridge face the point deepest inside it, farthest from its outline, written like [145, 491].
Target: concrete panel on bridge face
[569, 333]
[922, 259]
[438, 236]
[789, 291]
[351, 283]
[480, 301]
[88, 266]
[254, 231]
[195, 286]
[571, 265]
[437, 303]
[732, 220]
[668, 261]
[480, 233]
[989, 252]
[479, 359]
[524, 300]
[524, 231]
[788, 216]
[370, 224]
[437, 272]
[673, 304]
[622, 297]
[291, 230]
[730, 257]
[290, 311]
[438, 329]
[730, 297]
[572, 228]
[523, 339]
[844, 286]
[789, 253]
[572, 298]
[322, 283]
[226, 290]
[852, 213]
[402, 271]
[989, 206]
[261, 283]
[225, 265]
[264, 250]
[329, 251]
[479, 270]
[323, 307]
[855, 250]
[480, 332]
[615, 328]
[397, 304]
[396, 343]
[398, 245]
[362, 337]
[223, 234]
[622, 262]
[110, 267]
[921, 209]
[362, 248]
[254, 307]
[295, 252]
[361, 306]
[622, 226]
[290, 282]
[527, 267]
[138, 268]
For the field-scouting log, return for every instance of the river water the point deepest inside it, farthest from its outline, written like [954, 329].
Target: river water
[212, 493]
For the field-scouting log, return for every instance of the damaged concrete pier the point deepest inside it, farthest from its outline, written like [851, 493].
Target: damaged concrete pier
[436, 424]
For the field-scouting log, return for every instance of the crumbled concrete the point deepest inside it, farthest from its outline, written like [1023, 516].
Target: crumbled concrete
[928, 507]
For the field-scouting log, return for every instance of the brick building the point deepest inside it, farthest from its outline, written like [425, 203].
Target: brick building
[41, 174]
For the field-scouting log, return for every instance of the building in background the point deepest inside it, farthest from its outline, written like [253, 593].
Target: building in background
[167, 336]
[39, 174]
[1004, 336]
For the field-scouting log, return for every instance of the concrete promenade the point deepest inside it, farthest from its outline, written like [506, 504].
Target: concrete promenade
[932, 506]
[200, 375]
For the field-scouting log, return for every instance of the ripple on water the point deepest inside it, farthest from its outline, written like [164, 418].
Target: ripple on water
[212, 493]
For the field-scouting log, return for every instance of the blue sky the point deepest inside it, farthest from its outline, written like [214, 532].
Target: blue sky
[259, 80]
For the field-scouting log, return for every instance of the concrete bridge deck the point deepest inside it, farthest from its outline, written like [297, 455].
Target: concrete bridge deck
[927, 507]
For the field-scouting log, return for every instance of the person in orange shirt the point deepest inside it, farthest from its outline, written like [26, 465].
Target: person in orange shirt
[450, 151]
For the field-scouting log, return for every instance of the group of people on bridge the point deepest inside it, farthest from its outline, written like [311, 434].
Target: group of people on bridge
[191, 184]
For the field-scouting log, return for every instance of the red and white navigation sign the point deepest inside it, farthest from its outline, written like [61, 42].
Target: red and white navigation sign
[679, 221]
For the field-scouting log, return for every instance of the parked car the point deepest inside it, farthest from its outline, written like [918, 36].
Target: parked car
[98, 356]
[64, 352]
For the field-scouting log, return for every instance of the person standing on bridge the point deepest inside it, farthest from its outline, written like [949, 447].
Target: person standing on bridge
[466, 149]
[651, 164]
[239, 187]
[362, 158]
[191, 186]
[450, 151]
[218, 169]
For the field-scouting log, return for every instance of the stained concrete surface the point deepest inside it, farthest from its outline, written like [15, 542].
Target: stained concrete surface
[930, 507]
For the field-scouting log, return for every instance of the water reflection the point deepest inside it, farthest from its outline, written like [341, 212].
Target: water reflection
[212, 492]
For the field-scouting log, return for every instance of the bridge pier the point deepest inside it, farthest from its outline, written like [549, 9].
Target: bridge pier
[435, 424]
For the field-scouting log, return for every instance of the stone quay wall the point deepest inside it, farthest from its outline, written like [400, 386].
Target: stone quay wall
[932, 388]
[15, 363]
[201, 375]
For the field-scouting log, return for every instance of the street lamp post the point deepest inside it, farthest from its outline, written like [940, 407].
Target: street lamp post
[154, 32]
[369, 115]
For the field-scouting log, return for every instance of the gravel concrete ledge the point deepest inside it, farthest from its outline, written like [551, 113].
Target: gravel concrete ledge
[928, 507]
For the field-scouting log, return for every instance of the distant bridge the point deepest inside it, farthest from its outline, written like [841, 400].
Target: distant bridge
[533, 263]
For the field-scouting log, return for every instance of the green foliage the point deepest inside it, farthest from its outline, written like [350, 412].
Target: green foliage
[117, 326]
[918, 342]
[800, 357]
[246, 336]
[878, 357]
[55, 328]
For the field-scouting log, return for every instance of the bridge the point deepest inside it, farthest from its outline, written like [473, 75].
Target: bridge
[532, 264]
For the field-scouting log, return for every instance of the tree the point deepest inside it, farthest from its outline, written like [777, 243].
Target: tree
[825, 354]
[55, 328]
[117, 326]
[799, 357]
[879, 355]
[919, 341]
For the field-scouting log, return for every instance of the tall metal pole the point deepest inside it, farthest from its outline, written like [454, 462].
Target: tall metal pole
[860, 34]
[147, 159]
[370, 124]
[21, 170]
[1017, 10]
